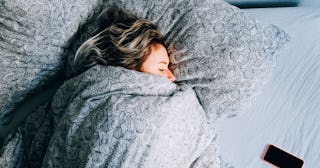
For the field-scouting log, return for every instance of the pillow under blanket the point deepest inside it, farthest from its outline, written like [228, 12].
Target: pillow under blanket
[33, 35]
[222, 53]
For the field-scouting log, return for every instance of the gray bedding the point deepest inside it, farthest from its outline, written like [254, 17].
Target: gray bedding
[222, 54]
[33, 38]
[225, 55]
[213, 44]
[115, 117]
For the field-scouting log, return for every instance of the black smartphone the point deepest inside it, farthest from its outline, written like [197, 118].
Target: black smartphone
[281, 158]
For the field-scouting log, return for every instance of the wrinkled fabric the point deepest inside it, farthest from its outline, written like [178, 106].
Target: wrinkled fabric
[115, 117]
[33, 38]
[26, 146]
[11, 153]
[220, 52]
[225, 55]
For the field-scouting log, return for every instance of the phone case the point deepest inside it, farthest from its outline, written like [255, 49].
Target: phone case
[280, 158]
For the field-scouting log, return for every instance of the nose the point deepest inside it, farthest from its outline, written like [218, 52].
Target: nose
[170, 76]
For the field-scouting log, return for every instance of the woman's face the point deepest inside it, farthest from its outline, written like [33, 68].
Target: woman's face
[157, 62]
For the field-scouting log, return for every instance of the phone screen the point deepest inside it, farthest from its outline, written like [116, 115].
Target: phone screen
[281, 159]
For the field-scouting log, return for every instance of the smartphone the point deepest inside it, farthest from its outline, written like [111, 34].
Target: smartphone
[281, 158]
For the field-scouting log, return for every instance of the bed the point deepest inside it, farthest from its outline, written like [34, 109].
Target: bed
[284, 113]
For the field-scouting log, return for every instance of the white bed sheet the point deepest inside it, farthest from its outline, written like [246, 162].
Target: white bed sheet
[310, 3]
[287, 111]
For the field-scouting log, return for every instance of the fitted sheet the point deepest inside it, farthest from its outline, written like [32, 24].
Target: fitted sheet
[286, 112]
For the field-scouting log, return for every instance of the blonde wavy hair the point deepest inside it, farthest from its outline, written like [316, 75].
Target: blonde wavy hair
[121, 39]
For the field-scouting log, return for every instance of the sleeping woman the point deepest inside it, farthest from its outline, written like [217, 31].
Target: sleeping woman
[125, 111]
[124, 40]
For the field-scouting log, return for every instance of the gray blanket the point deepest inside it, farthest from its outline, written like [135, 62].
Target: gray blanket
[222, 53]
[33, 39]
[115, 117]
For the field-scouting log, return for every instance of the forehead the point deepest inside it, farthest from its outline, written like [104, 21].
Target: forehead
[158, 53]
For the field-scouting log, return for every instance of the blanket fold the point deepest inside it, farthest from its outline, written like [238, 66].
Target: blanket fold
[115, 117]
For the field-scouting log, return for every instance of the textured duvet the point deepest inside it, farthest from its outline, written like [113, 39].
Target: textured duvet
[115, 117]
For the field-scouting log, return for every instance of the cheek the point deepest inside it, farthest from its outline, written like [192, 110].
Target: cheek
[148, 69]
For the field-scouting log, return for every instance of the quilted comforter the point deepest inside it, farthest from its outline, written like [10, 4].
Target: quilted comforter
[115, 117]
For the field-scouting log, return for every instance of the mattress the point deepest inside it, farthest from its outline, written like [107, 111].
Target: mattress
[287, 111]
